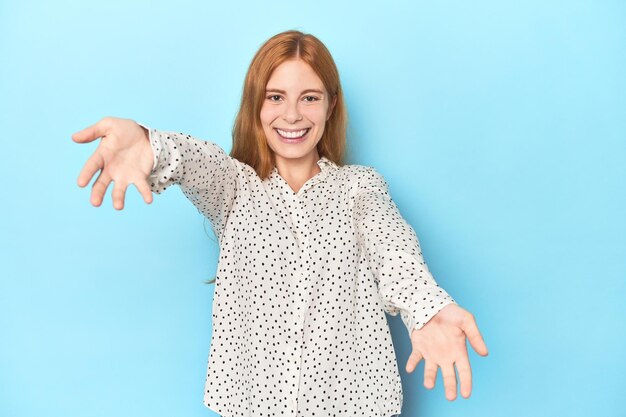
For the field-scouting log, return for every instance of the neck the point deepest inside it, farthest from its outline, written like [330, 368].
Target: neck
[298, 171]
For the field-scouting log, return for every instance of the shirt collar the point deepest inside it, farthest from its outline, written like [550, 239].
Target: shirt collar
[326, 167]
[326, 164]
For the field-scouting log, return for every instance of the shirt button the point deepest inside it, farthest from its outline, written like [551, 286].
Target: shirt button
[291, 402]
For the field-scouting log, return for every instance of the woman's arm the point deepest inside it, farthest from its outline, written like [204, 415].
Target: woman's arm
[205, 173]
[393, 252]
[437, 325]
[132, 153]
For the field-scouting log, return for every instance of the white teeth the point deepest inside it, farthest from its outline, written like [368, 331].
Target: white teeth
[292, 135]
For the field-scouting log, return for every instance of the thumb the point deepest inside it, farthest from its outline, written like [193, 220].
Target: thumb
[414, 359]
[92, 132]
[475, 338]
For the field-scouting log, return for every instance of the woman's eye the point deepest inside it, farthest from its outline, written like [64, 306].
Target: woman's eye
[308, 99]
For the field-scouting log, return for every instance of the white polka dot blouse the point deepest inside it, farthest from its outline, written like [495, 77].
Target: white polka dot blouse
[303, 281]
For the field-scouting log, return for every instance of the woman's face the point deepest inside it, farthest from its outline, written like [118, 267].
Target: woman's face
[295, 111]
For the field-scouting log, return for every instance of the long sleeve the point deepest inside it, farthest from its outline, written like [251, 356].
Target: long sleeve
[393, 253]
[206, 175]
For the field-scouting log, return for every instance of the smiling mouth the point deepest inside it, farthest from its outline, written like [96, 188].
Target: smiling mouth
[292, 135]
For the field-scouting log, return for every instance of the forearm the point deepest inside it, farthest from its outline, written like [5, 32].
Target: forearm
[393, 253]
[205, 173]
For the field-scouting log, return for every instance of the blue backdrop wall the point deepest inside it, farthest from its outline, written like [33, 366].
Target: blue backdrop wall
[500, 127]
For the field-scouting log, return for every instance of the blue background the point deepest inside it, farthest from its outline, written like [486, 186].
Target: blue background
[500, 127]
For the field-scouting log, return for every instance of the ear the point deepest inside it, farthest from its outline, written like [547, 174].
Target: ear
[332, 107]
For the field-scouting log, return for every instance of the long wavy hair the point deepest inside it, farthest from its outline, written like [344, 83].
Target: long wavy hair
[249, 142]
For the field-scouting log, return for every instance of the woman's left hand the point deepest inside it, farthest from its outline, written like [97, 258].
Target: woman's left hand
[441, 343]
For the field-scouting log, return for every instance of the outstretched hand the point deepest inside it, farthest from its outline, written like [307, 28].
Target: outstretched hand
[123, 156]
[441, 343]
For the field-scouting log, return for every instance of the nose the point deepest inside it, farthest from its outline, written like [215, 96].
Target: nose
[292, 113]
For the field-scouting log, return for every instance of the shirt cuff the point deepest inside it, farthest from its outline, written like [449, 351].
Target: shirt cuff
[431, 305]
[155, 144]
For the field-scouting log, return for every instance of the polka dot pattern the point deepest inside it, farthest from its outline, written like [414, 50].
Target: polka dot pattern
[303, 283]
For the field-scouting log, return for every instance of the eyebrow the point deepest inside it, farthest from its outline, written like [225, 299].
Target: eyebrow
[310, 90]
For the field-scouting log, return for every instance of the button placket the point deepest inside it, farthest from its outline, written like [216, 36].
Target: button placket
[300, 312]
[304, 233]
[295, 365]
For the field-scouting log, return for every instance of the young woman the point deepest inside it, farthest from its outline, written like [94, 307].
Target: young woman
[312, 251]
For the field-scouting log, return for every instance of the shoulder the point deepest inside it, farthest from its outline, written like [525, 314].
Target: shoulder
[356, 171]
[362, 177]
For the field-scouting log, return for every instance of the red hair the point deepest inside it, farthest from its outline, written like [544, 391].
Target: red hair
[249, 141]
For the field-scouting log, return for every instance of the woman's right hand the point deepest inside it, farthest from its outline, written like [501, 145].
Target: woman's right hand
[124, 156]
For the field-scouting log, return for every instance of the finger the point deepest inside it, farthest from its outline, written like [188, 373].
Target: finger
[449, 380]
[99, 188]
[414, 360]
[430, 374]
[119, 192]
[473, 335]
[144, 190]
[465, 375]
[92, 132]
[93, 165]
